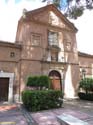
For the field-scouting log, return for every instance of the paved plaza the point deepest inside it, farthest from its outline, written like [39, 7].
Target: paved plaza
[15, 114]
[11, 115]
[80, 109]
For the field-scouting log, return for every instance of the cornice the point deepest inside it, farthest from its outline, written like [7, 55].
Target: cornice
[81, 54]
[8, 44]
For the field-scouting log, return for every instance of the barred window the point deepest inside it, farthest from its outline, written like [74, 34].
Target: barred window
[53, 38]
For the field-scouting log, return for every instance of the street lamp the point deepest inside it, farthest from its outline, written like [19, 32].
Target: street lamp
[83, 73]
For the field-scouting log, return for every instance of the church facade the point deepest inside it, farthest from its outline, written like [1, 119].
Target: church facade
[45, 45]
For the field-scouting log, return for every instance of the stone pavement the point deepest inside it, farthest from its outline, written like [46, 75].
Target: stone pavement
[15, 114]
[11, 115]
[80, 109]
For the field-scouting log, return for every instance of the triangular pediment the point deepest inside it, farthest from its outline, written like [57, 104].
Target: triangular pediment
[52, 16]
[55, 20]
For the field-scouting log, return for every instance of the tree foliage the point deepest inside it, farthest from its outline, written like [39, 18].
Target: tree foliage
[86, 84]
[72, 8]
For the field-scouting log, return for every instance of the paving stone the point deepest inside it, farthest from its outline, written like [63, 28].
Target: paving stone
[17, 120]
[90, 122]
[11, 115]
[79, 109]
[15, 114]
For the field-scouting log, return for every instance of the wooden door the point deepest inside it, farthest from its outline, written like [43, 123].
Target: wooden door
[55, 80]
[4, 87]
[56, 83]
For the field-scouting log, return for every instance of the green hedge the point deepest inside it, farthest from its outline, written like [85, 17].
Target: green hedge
[86, 84]
[38, 81]
[41, 100]
[85, 96]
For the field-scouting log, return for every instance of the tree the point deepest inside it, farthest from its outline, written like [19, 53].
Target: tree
[72, 8]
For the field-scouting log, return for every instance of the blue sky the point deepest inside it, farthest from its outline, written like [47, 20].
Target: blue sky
[17, 1]
[11, 11]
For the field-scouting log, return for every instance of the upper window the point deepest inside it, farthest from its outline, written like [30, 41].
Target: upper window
[53, 38]
[68, 46]
[12, 54]
[36, 39]
[54, 56]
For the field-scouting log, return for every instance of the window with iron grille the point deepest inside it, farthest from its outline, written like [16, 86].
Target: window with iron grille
[53, 38]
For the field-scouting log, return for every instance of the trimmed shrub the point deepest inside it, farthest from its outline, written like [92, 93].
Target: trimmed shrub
[44, 81]
[86, 84]
[86, 89]
[32, 81]
[38, 81]
[41, 100]
[85, 96]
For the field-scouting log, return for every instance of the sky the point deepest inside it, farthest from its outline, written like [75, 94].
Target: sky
[11, 11]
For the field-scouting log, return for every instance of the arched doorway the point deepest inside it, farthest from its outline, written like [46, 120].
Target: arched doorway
[55, 78]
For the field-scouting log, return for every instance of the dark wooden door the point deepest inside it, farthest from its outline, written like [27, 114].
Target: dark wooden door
[55, 80]
[4, 87]
[56, 83]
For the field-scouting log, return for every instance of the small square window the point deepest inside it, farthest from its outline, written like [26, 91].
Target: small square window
[68, 46]
[12, 54]
[35, 39]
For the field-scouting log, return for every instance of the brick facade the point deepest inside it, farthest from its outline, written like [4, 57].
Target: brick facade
[35, 52]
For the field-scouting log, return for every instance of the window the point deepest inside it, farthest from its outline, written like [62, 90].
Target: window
[12, 54]
[68, 46]
[36, 39]
[54, 56]
[63, 59]
[53, 38]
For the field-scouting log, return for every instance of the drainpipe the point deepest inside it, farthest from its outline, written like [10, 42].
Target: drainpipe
[20, 76]
[19, 80]
[63, 80]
